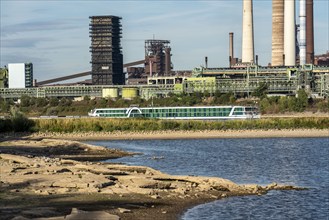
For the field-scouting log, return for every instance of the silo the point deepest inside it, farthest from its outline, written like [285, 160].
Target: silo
[289, 33]
[309, 32]
[110, 93]
[129, 93]
[277, 32]
[247, 33]
[302, 32]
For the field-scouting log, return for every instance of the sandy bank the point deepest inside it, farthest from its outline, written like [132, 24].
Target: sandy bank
[35, 186]
[186, 134]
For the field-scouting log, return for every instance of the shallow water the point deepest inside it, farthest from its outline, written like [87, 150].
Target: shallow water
[295, 161]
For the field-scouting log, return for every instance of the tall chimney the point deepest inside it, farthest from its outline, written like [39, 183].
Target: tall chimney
[167, 61]
[289, 33]
[309, 32]
[231, 46]
[302, 32]
[277, 32]
[247, 33]
[206, 61]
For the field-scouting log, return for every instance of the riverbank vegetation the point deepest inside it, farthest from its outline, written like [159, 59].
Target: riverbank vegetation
[17, 122]
[16, 114]
[110, 125]
[54, 106]
[69, 125]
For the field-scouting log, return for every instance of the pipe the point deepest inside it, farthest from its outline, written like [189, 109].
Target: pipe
[247, 33]
[302, 32]
[289, 33]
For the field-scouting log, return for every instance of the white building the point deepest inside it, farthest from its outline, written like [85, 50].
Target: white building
[20, 75]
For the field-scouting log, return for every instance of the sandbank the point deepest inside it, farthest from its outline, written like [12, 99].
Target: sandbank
[169, 134]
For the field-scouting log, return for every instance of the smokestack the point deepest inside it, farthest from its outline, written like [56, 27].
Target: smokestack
[247, 33]
[231, 46]
[289, 33]
[206, 61]
[167, 61]
[277, 32]
[309, 32]
[302, 32]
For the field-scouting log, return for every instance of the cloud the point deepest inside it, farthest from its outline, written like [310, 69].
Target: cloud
[23, 42]
[43, 26]
[22, 58]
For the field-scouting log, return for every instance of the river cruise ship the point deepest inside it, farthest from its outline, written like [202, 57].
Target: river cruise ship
[195, 112]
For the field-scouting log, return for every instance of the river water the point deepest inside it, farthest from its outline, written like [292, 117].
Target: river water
[302, 162]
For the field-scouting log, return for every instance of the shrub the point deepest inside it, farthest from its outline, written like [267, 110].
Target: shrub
[19, 122]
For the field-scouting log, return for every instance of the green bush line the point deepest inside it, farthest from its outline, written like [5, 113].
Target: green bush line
[133, 125]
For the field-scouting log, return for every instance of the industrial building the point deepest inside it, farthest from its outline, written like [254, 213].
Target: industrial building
[20, 75]
[106, 54]
[294, 65]
[322, 60]
[157, 57]
[280, 80]
[157, 62]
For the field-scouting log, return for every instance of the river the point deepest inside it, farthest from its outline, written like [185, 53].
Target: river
[301, 162]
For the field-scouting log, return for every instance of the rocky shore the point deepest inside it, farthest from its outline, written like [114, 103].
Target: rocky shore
[40, 179]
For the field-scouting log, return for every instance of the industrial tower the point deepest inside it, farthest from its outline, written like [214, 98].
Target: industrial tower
[106, 54]
[157, 57]
[248, 51]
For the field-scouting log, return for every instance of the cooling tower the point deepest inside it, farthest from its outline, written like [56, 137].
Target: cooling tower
[289, 33]
[247, 33]
[302, 32]
[277, 32]
[309, 32]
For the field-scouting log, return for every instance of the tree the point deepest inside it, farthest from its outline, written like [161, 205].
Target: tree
[283, 104]
[301, 101]
[5, 104]
[41, 102]
[52, 111]
[260, 91]
[225, 98]
[25, 101]
[86, 98]
[53, 101]
[65, 102]
[264, 105]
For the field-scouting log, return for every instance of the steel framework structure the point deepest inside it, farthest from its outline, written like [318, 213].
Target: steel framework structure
[106, 53]
[157, 57]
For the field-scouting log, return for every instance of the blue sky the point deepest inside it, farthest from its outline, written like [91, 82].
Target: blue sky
[54, 35]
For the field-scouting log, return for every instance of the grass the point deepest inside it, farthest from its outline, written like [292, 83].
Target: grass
[110, 125]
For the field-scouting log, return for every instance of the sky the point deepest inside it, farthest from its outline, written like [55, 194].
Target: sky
[54, 35]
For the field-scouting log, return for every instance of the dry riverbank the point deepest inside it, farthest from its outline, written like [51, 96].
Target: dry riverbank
[37, 183]
[186, 134]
